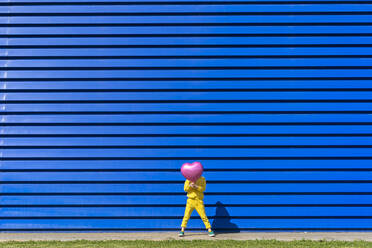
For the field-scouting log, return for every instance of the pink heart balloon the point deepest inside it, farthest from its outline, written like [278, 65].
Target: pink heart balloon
[193, 171]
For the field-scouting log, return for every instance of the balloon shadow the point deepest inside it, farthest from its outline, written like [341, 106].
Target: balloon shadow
[222, 221]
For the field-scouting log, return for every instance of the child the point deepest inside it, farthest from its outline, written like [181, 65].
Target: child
[195, 201]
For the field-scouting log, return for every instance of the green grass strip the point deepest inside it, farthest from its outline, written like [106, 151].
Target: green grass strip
[185, 243]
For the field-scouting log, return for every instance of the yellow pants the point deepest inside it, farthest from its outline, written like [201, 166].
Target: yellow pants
[199, 206]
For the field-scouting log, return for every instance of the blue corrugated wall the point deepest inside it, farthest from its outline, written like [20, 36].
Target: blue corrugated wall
[102, 102]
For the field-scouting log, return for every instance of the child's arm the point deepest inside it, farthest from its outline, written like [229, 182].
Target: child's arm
[203, 185]
[186, 186]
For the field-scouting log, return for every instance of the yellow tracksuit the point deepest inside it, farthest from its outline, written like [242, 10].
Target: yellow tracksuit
[195, 201]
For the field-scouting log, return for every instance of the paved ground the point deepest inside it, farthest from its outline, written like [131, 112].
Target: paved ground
[348, 236]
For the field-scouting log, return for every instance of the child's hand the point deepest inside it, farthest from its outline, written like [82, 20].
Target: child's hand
[193, 185]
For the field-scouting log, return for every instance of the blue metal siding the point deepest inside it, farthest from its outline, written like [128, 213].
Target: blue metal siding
[102, 102]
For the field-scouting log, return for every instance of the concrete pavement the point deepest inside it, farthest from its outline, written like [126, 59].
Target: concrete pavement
[285, 236]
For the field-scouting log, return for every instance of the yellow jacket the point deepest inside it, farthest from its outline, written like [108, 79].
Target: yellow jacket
[195, 193]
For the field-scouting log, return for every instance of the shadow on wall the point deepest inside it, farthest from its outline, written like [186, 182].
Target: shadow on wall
[222, 224]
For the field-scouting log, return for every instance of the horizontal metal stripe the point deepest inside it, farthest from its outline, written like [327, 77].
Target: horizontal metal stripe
[171, 223]
[176, 193]
[120, 186]
[183, 79]
[185, 35]
[182, 182]
[209, 75]
[96, 68]
[187, 120]
[269, 173]
[214, 64]
[187, 8]
[180, 199]
[181, 1]
[165, 142]
[189, 117]
[192, 31]
[184, 20]
[197, 64]
[180, 217]
[163, 153]
[240, 24]
[14, 124]
[183, 146]
[299, 188]
[177, 170]
[174, 211]
[116, 3]
[148, 131]
[186, 113]
[177, 229]
[209, 62]
[113, 41]
[166, 131]
[9, 58]
[172, 97]
[24, 90]
[182, 112]
[134, 176]
[213, 165]
[185, 101]
[177, 205]
[186, 108]
[73, 171]
[193, 124]
[190, 19]
[183, 158]
[12, 14]
[233, 50]
[190, 7]
[171, 75]
[184, 46]
[181, 97]
[187, 135]
[203, 86]
[149, 1]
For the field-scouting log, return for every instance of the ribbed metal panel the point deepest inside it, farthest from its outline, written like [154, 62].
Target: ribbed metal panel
[102, 102]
